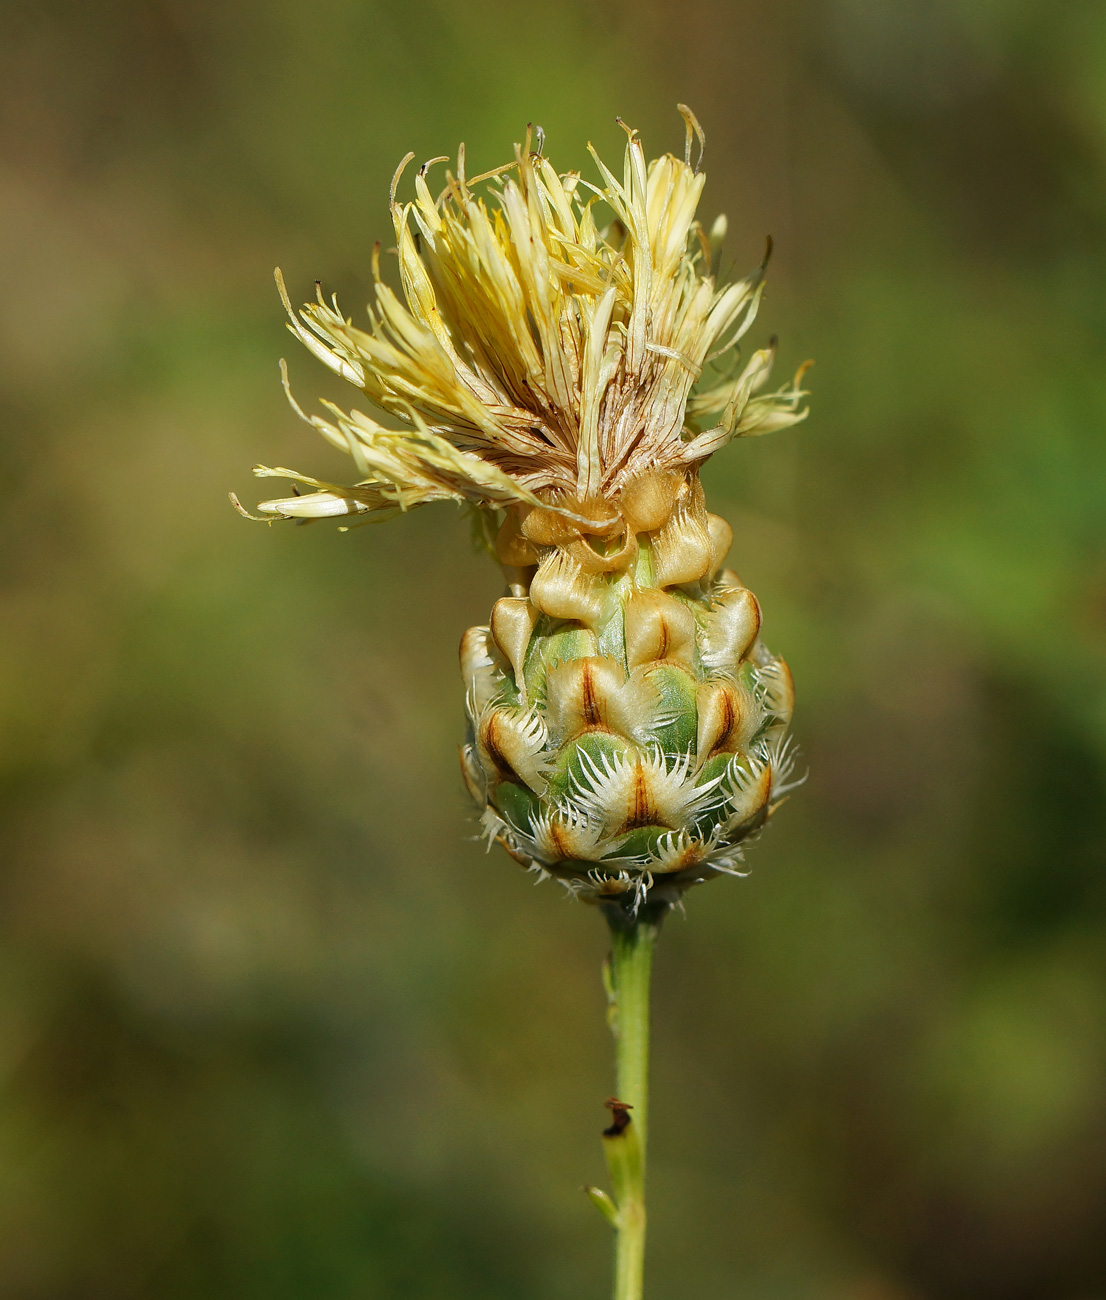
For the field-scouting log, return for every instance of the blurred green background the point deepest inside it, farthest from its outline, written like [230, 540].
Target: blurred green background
[271, 1025]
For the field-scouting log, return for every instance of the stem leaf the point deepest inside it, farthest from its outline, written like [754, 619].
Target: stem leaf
[603, 1204]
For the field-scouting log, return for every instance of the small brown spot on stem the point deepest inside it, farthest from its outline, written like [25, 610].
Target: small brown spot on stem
[620, 1117]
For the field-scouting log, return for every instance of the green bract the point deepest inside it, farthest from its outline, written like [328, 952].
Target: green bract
[626, 734]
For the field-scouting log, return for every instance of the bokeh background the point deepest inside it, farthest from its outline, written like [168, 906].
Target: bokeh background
[271, 1024]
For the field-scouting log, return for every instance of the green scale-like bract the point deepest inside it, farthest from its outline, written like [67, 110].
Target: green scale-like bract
[627, 727]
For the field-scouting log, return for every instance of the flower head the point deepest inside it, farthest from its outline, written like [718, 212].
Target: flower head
[562, 352]
[549, 347]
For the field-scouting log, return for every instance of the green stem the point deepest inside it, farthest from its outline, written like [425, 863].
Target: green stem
[631, 964]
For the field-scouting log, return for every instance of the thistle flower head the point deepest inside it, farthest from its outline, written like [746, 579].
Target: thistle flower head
[562, 352]
[549, 347]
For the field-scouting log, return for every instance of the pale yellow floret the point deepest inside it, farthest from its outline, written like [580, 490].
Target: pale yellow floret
[547, 344]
